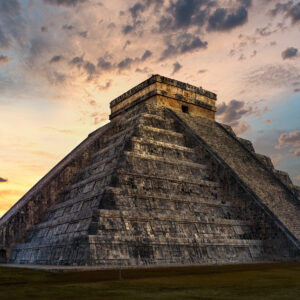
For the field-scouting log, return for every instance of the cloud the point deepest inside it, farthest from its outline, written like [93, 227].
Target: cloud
[289, 53]
[232, 112]
[56, 78]
[106, 86]
[268, 121]
[176, 67]
[77, 61]
[146, 55]
[297, 152]
[281, 8]
[136, 10]
[184, 43]
[3, 180]
[223, 20]
[127, 43]
[265, 31]
[65, 131]
[145, 70]
[104, 64]
[181, 14]
[241, 128]
[44, 29]
[4, 40]
[289, 9]
[3, 59]
[43, 154]
[90, 69]
[9, 193]
[55, 59]
[127, 29]
[67, 27]
[246, 3]
[65, 2]
[12, 25]
[183, 11]
[9, 7]
[294, 13]
[277, 159]
[275, 75]
[289, 139]
[125, 63]
[83, 34]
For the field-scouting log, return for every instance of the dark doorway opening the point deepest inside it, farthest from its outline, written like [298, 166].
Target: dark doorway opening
[185, 109]
[3, 258]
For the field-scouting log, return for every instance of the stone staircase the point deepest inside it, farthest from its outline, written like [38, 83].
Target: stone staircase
[274, 195]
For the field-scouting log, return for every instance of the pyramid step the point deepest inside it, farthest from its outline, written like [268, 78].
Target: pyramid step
[110, 150]
[169, 161]
[98, 167]
[171, 228]
[99, 180]
[202, 199]
[160, 166]
[142, 240]
[77, 221]
[162, 144]
[157, 121]
[84, 201]
[165, 183]
[172, 217]
[167, 150]
[161, 135]
[168, 206]
[119, 234]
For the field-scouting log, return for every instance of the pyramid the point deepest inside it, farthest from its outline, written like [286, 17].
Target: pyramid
[161, 183]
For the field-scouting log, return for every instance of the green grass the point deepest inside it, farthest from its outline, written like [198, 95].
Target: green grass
[257, 281]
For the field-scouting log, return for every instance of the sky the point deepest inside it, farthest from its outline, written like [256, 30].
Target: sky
[63, 61]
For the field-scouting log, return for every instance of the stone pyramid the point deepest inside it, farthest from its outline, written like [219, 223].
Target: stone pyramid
[162, 183]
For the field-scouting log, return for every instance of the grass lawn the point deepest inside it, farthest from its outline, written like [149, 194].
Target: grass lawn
[256, 281]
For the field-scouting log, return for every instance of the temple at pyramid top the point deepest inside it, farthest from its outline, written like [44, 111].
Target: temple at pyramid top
[167, 92]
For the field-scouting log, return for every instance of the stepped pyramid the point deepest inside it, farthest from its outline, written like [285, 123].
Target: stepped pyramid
[161, 183]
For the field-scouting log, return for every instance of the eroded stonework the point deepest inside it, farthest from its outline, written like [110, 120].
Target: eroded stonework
[157, 186]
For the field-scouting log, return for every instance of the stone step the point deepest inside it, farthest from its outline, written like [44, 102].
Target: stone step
[144, 240]
[160, 166]
[162, 135]
[177, 216]
[157, 121]
[275, 197]
[169, 161]
[162, 149]
[162, 144]
[114, 235]
[203, 199]
[81, 218]
[146, 180]
[109, 151]
[91, 180]
[98, 167]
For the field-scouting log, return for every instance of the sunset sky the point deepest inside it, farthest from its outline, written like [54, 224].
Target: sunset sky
[63, 61]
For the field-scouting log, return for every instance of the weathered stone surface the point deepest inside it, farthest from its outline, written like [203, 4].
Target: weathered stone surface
[156, 186]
